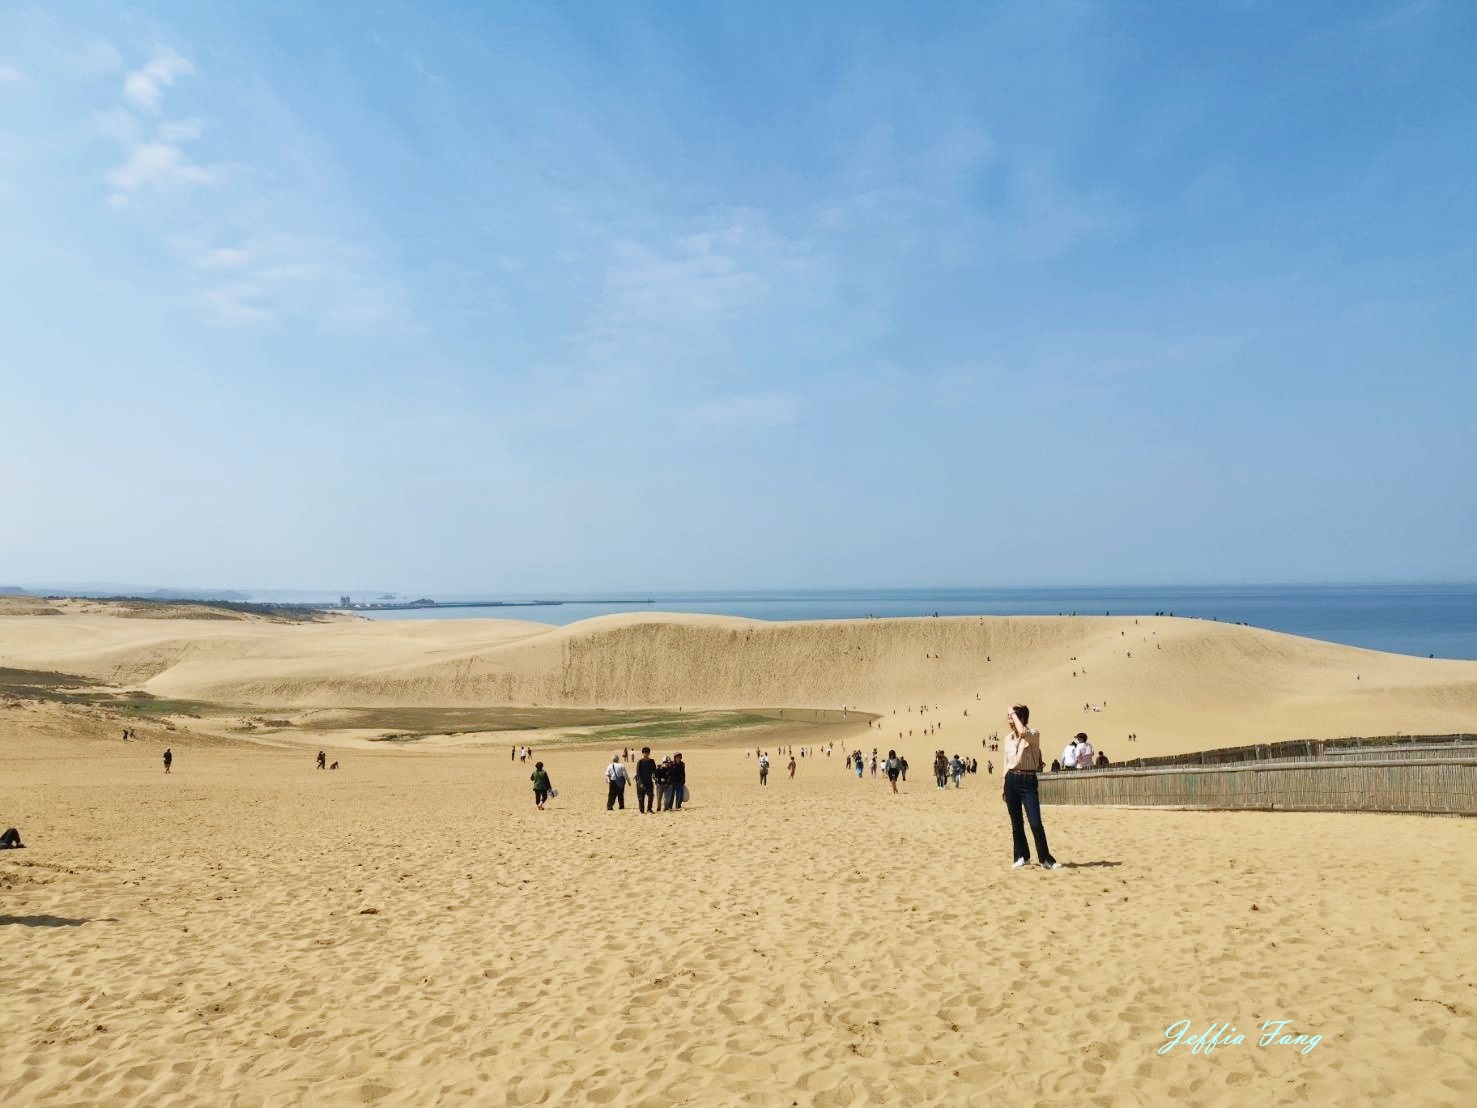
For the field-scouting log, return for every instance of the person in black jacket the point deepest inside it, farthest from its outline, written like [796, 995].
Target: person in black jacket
[646, 781]
[677, 782]
[663, 777]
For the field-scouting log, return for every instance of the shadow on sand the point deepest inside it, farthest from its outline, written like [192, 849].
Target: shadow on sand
[42, 921]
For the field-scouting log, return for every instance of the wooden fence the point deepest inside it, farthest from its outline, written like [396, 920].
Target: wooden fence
[1303, 748]
[1440, 780]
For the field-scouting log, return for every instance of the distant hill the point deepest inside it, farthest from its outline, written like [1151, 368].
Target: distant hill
[12, 590]
[197, 594]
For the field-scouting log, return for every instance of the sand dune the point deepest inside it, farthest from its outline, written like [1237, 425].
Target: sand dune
[409, 930]
[1178, 684]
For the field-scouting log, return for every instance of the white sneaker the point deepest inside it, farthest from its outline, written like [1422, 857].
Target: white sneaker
[1051, 865]
[1019, 863]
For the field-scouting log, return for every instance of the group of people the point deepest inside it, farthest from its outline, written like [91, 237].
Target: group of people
[946, 768]
[1079, 754]
[764, 764]
[520, 753]
[660, 786]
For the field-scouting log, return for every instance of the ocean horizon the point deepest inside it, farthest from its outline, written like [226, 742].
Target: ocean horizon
[1421, 620]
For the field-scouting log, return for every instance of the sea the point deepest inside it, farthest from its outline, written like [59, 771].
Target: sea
[1421, 620]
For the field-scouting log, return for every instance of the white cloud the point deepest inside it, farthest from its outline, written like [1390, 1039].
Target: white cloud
[278, 279]
[157, 165]
[184, 130]
[144, 88]
[224, 257]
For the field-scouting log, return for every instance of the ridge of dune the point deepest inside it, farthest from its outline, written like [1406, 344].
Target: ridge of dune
[1178, 683]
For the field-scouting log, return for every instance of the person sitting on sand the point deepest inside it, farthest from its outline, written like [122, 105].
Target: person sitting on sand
[542, 786]
[1084, 751]
[11, 840]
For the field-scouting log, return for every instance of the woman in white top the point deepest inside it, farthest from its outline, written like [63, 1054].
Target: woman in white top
[1022, 761]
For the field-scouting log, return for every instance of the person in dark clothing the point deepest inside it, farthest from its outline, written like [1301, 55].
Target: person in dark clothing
[663, 777]
[542, 786]
[168, 759]
[677, 782]
[11, 840]
[646, 781]
[941, 769]
[894, 767]
[322, 760]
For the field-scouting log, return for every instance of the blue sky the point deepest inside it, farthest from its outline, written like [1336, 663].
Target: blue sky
[521, 297]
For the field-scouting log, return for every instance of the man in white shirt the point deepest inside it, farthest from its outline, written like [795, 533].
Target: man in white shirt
[1084, 751]
[615, 775]
[1069, 755]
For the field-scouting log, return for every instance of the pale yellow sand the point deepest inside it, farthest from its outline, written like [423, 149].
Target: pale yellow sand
[203, 939]
[207, 938]
[1178, 684]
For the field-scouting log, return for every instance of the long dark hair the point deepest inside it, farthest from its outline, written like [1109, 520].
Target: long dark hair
[1022, 713]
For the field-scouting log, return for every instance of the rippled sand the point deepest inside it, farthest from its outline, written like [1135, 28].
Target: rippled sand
[410, 930]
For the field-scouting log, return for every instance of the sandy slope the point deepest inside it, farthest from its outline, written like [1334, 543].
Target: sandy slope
[1178, 684]
[410, 931]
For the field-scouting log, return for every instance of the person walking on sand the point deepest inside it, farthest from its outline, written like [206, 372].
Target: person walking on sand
[646, 782]
[322, 759]
[763, 768]
[615, 777]
[663, 777]
[542, 786]
[792, 763]
[940, 769]
[894, 768]
[678, 784]
[168, 759]
[1021, 792]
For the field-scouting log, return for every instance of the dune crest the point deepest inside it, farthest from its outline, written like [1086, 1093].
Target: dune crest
[1179, 684]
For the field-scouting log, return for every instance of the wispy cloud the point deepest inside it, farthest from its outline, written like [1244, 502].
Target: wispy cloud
[11, 76]
[143, 88]
[250, 268]
[156, 165]
[278, 279]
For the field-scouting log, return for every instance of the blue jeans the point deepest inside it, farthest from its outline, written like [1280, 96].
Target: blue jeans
[674, 798]
[1021, 792]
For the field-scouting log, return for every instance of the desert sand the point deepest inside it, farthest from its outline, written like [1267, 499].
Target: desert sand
[409, 930]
